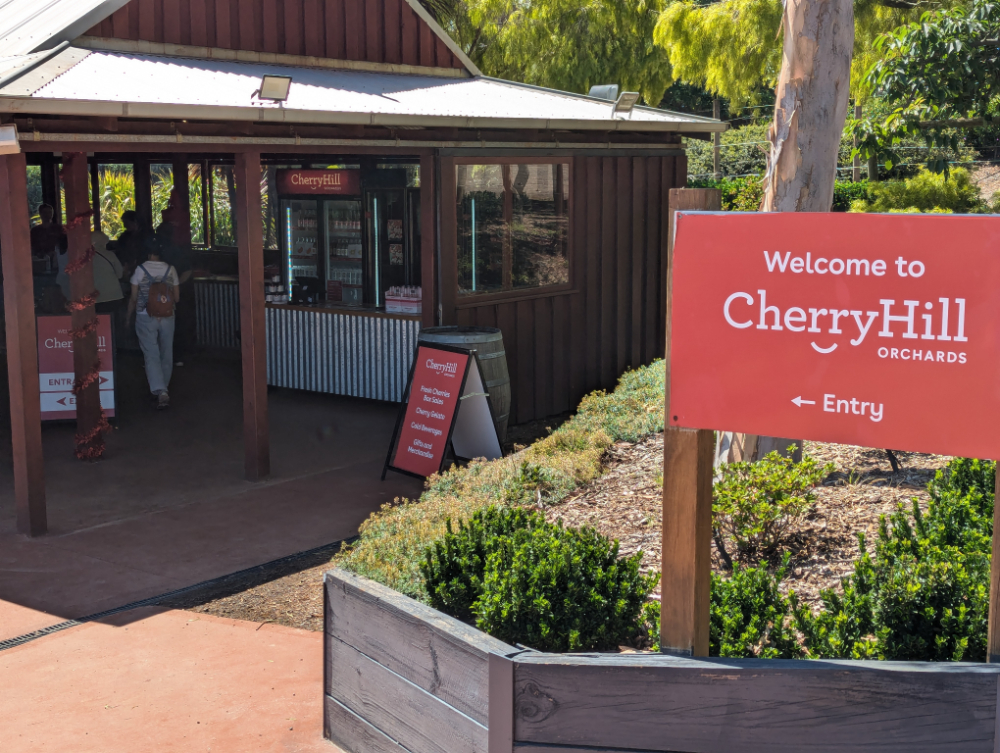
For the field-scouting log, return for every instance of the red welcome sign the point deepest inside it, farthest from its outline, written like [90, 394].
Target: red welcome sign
[864, 329]
[435, 388]
[319, 182]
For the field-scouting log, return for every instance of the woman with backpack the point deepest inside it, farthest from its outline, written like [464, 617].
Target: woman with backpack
[155, 292]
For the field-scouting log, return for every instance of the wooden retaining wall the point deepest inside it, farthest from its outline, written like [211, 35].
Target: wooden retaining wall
[404, 678]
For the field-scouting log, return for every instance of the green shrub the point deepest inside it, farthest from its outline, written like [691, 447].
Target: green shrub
[454, 564]
[749, 615]
[392, 541]
[738, 194]
[846, 192]
[755, 503]
[924, 595]
[535, 583]
[924, 192]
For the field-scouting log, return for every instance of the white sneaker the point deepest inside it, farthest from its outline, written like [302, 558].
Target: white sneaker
[163, 401]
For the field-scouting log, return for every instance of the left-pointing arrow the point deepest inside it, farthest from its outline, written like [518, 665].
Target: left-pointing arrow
[799, 401]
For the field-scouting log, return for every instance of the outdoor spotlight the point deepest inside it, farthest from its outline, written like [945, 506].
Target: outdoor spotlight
[626, 101]
[274, 88]
[8, 140]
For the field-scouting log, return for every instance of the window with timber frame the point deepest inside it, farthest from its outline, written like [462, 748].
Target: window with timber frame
[513, 226]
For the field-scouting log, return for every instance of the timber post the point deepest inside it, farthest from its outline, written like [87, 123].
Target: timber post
[993, 626]
[90, 422]
[428, 240]
[687, 494]
[253, 335]
[22, 347]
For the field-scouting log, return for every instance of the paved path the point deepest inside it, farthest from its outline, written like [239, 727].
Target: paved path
[163, 681]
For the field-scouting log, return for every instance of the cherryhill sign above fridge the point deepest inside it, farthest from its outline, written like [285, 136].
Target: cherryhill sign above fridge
[346, 182]
[872, 330]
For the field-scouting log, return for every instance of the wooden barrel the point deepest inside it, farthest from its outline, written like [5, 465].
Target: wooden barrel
[488, 344]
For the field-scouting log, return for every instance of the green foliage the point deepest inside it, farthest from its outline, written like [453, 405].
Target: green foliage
[743, 152]
[738, 194]
[750, 617]
[925, 192]
[453, 565]
[846, 192]
[728, 47]
[932, 72]
[733, 47]
[924, 595]
[527, 581]
[755, 503]
[393, 541]
[564, 44]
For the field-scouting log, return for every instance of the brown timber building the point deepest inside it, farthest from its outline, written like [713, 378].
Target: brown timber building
[393, 169]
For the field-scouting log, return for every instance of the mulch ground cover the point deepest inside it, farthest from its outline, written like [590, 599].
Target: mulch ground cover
[625, 504]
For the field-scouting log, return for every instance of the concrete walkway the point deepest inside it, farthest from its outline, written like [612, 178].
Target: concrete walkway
[164, 681]
[166, 510]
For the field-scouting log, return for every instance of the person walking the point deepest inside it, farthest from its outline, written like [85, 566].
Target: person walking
[155, 292]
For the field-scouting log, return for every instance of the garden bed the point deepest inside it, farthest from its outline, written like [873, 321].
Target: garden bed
[402, 677]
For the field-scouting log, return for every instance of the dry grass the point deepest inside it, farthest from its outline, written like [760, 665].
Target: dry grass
[393, 540]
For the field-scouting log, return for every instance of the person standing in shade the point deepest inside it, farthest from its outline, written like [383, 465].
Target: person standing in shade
[130, 244]
[47, 238]
[155, 292]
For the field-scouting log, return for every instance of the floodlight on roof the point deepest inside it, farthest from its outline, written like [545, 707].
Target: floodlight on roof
[626, 101]
[274, 88]
[8, 140]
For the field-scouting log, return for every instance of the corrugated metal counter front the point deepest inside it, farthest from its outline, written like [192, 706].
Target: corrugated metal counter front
[336, 350]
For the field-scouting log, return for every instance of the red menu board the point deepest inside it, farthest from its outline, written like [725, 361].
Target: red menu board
[438, 378]
[55, 367]
[347, 182]
[864, 329]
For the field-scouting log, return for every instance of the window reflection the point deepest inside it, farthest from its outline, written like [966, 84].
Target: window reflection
[513, 223]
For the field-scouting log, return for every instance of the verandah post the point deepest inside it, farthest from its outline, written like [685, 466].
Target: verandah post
[22, 347]
[253, 335]
[688, 455]
[993, 627]
[90, 421]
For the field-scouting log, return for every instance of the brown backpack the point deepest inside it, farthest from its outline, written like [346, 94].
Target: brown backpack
[160, 303]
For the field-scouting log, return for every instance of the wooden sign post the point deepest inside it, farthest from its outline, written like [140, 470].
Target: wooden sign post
[687, 494]
[861, 329]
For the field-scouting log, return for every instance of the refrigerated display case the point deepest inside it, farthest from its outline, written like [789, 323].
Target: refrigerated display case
[352, 246]
[301, 238]
[344, 252]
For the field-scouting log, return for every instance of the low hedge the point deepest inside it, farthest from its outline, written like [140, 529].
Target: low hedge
[392, 542]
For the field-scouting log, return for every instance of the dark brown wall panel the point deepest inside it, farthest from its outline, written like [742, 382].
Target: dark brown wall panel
[560, 347]
[379, 31]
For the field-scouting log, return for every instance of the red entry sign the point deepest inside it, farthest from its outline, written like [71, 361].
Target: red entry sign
[55, 367]
[438, 376]
[864, 329]
[346, 182]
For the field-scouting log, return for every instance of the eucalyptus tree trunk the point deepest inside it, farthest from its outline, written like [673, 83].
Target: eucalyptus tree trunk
[809, 114]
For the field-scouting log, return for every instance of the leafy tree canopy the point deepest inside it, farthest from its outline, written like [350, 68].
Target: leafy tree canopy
[733, 46]
[563, 44]
[935, 75]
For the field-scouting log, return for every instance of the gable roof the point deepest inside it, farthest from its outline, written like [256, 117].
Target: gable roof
[103, 83]
[28, 26]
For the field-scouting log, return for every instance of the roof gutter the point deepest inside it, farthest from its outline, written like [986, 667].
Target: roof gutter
[280, 115]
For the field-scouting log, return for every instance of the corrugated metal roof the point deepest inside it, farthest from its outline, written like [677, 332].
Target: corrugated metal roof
[27, 26]
[210, 88]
